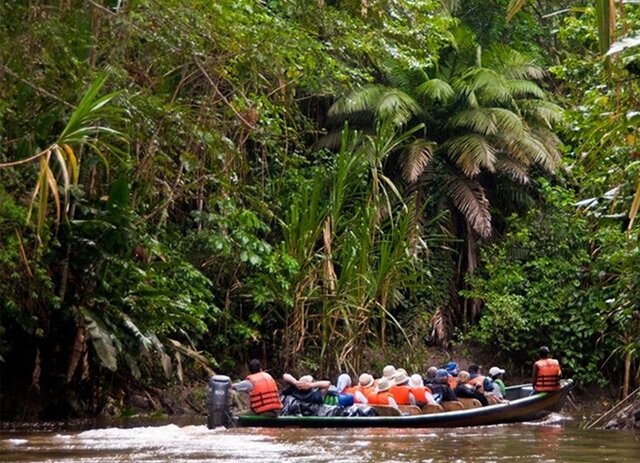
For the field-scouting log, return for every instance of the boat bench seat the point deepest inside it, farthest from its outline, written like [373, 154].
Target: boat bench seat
[452, 405]
[469, 403]
[429, 408]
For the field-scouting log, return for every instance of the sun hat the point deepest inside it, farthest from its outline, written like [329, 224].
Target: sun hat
[365, 380]
[495, 371]
[441, 373]
[306, 379]
[388, 371]
[383, 385]
[415, 380]
[400, 378]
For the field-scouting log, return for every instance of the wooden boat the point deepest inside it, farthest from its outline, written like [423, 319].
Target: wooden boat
[521, 406]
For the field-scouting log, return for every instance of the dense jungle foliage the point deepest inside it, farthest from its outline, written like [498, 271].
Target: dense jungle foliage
[186, 184]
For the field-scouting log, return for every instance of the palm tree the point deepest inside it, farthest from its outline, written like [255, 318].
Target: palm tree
[486, 124]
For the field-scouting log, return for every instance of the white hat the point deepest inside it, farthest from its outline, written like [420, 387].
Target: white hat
[400, 377]
[306, 379]
[389, 371]
[416, 380]
[365, 380]
[383, 385]
[495, 371]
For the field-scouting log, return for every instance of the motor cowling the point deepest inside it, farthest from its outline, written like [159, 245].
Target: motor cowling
[219, 402]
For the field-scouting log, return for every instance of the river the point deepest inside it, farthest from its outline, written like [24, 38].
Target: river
[553, 440]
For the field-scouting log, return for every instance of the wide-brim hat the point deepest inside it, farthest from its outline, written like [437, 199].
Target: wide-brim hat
[389, 371]
[400, 378]
[416, 381]
[365, 380]
[383, 385]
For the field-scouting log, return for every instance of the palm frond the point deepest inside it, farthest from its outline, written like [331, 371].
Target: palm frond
[436, 90]
[524, 88]
[477, 120]
[471, 152]
[362, 99]
[541, 112]
[469, 198]
[514, 169]
[507, 121]
[536, 152]
[396, 107]
[512, 64]
[514, 7]
[415, 159]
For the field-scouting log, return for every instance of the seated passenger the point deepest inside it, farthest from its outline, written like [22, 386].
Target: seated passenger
[441, 387]
[364, 388]
[344, 390]
[430, 378]
[262, 389]
[478, 379]
[452, 370]
[400, 389]
[381, 395]
[387, 372]
[466, 390]
[306, 389]
[421, 393]
[497, 376]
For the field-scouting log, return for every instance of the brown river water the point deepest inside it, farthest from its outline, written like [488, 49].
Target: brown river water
[552, 440]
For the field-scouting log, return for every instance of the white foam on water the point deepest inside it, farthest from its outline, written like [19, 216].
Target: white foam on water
[16, 441]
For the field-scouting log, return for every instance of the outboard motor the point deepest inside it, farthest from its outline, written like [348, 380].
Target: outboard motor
[219, 402]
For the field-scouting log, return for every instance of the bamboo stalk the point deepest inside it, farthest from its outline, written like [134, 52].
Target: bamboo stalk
[615, 408]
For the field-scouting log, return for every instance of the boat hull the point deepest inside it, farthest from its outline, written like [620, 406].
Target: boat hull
[530, 408]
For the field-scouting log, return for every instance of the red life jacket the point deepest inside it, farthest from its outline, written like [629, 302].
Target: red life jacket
[264, 393]
[379, 398]
[401, 394]
[478, 381]
[548, 378]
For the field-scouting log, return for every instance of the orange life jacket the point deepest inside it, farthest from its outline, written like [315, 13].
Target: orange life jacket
[365, 391]
[379, 398]
[349, 390]
[420, 394]
[478, 381]
[548, 377]
[264, 393]
[401, 394]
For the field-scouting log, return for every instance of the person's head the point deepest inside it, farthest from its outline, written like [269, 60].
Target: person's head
[400, 378]
[431, 373]
[496, 372]
[474, 369]
[388, 371]
[463, 377]
[442, 375]
[365, 380]
[452, 368]
[383, 385]
[255, 366]
[344, 381]
[415, 381]
[543, 352]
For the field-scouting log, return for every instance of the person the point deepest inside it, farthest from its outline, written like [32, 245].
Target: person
[497, 376]
[344, 390]
[400, 389]
[364, 388]
[381, 395]
[441, 387]
[452, 369]
[478, 379]
[546, 372]
[421, 393]
[466, 390]
[388, 372]
[306, 389]
[262, 388]
[430, 378]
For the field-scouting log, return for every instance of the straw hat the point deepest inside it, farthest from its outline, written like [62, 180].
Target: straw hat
[365, 380]
[463, 377]
[383, 385]
[400, 378]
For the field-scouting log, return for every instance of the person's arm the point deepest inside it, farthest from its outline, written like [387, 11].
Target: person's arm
[306, 385]
[243, 386]
[392, 402]
[360, 398]
[412, 399]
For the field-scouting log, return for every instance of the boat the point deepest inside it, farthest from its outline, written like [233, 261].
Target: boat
[521, 406]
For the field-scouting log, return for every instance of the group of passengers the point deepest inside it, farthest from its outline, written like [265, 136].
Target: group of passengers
[394, 388]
